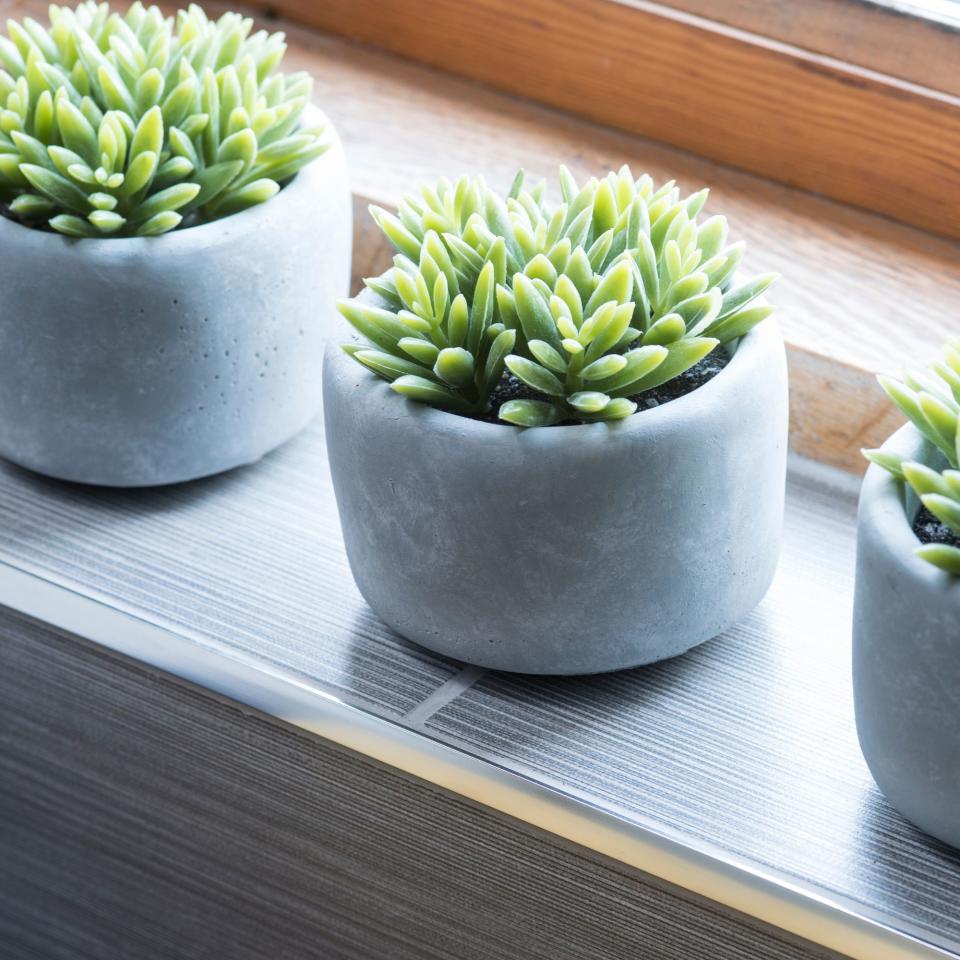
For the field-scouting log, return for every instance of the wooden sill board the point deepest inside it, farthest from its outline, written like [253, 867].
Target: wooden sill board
[740, 98]
[859, 294]
[732, 772]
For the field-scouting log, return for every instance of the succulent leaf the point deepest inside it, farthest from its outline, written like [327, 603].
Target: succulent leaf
[929, 402]
[137, 104]
[941, 555]
[558, 296]
[530, 413]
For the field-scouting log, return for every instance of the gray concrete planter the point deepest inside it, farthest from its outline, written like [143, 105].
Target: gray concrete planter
[906, 655]
[141, 361]
[561, 550]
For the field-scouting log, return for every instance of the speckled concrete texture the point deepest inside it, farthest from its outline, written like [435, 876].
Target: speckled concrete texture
[131, 362]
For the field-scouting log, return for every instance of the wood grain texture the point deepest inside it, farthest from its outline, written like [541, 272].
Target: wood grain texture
[908, 41]
[746, 744]
[836, 409]
[142, 817]
[744, 100]
[858, 293]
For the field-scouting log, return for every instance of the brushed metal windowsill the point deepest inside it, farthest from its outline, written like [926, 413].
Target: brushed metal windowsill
[732, 772]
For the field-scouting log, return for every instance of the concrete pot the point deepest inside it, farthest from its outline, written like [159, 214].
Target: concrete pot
[563, 550]
[130, 362]
[906, 654]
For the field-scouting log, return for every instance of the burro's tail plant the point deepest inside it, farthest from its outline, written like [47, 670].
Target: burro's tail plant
[613, 292]
[130, 125]
[931, 402]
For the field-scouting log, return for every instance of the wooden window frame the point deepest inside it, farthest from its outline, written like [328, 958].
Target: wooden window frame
[915, 41]
[800, 117]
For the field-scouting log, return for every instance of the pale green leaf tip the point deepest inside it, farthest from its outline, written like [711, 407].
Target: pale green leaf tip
[116, 109]
[468, 236]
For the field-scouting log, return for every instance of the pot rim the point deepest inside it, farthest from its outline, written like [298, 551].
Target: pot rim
[191, 239]
[883, 510]
[751, 353]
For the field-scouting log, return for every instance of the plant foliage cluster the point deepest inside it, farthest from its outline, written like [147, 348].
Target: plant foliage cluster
[126, 125]
[930, 400]
[614, 291]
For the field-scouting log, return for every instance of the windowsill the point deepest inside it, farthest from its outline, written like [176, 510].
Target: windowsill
[785, 824]
[732, 772]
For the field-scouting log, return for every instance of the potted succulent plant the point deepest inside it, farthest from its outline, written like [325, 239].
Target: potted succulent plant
[159, 184]
[906, 627]
[558, 432]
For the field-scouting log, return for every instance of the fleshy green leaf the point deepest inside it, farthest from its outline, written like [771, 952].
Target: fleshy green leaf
[59, 190]
[148, 137]
[547, 356]
[422, 351]
[923, 479]
[159, 223]
[588, 401]
[379, 326]
[388, 365]
[534, 375]
[426, 391]
[738, 324]
[455, 367]
[605, 367]
[681, 355]
[666, 330]
[734, 300]
[499, 350]
[891, 462]
[616, 285]
[530, 413]
[535, 317]
[944, 508]
[941, 555]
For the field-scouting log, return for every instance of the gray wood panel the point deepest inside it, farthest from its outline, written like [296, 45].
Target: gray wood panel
[746, 745]
[251, 560]
[141, 817]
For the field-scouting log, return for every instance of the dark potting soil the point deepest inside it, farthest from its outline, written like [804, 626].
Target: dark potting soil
[931, 530]
[511, 388]
[688, 381]
[8, 214]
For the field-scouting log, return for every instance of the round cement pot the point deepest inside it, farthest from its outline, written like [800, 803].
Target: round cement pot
[568, 549]
[906, 654]
[130, 362]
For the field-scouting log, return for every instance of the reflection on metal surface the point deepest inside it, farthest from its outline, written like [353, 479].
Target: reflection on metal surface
[746, 743]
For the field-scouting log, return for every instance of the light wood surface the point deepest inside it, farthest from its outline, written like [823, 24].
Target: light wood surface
[799, 117]
[858, 292]
[905, 40]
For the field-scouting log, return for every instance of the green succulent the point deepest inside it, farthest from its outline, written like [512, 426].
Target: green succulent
[616, 290]
[931, 402]
[132, 125]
